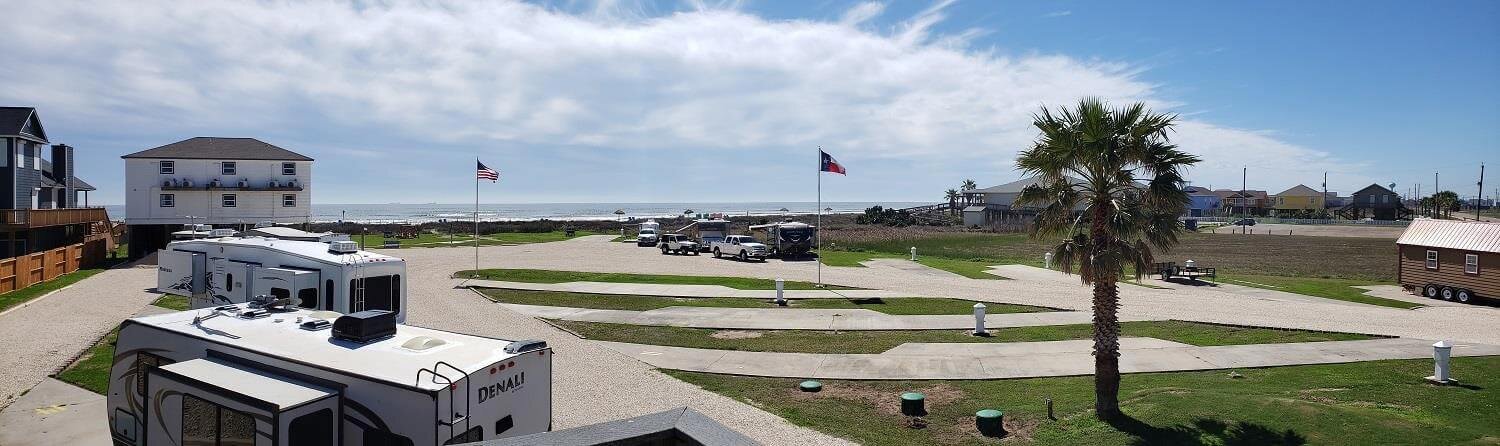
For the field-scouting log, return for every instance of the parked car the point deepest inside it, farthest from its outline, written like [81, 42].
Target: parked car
[677, 244]
[1245, 222]
[647, 237]
[742, 247]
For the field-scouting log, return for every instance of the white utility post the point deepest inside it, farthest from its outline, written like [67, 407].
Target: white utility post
[979, 320]
[913, 253]
[1440, 353]
[780, 296]
[1047, 260]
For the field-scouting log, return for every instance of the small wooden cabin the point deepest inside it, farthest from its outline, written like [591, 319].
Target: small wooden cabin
[1450, 259]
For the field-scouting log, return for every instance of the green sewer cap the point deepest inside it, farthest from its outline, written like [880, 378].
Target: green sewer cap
[913, 396]
[810, 386]
[989, 413]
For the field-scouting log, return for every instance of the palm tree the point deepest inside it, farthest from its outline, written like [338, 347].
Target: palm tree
[952, 196]
[1094, 158]
[968, 185]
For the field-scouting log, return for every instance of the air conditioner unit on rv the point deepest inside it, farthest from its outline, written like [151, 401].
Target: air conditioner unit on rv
[343, 247]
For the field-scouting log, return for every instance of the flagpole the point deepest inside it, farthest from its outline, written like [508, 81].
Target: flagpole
[476, 220]
[819, 232]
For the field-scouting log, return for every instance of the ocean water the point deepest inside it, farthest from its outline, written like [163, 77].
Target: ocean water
[420, 213]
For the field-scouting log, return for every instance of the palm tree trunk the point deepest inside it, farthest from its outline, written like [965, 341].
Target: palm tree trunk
[1106, 323]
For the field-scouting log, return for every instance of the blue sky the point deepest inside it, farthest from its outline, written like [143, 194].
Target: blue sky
[686, 101]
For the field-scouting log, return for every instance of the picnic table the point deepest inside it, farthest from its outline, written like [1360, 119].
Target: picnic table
[1169, 270]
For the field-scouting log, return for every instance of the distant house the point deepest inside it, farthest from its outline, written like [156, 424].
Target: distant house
[1449, 259]
[1246, 202]
[39, 206]
[1299, 201]
[1376, 202]
[1203, 202]
[1332, 200]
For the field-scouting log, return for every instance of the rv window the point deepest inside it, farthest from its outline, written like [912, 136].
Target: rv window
[314, 429]
[1432, 260]
[207, 424]
[144, 362]
[328, 294]
[383, 438]
[308, 298]
[228, 282]
[469, 436]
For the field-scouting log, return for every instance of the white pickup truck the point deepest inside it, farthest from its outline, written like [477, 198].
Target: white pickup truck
[743, 247]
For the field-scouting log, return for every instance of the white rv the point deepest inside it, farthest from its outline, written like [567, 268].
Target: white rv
[707, 231]
[333, 276]
[241, 375]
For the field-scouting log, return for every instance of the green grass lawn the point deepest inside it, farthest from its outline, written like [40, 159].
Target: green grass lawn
[876, 341]
[1341, 289]
[550, 276]
[34, 291]
[91, 371]
[897, 305]
[429, 239]
[1379, 402]
[173, 302]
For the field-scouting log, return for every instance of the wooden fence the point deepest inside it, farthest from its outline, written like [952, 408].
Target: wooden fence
[23, 271]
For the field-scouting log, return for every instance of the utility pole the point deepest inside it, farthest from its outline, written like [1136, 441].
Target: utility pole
[1244, 174]
[1480, 199]
[1325, 195]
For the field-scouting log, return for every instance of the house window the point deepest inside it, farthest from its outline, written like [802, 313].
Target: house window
[288, 168]
[288, 200]
[1471, 263]
[228, 168]
[166, 167]
[168, 200]
[1432, 262]
[229, 200]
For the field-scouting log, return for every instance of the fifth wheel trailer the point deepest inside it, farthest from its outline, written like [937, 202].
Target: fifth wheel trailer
[242, 375]
[334, 276]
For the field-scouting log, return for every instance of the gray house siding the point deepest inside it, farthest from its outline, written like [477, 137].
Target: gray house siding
[27, 177]
[8, 178]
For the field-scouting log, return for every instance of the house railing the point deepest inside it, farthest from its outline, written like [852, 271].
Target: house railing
[35, 218]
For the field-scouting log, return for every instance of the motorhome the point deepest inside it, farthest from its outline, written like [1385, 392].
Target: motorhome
[334, 276]
[284, 376]
[788, 238]
[706, 231]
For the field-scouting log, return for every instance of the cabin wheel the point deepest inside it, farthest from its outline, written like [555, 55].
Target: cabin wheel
[1464, 296]
[1447, 293]
[1431, 291]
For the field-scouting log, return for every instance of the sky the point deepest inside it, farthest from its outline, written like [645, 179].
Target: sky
[622, 101]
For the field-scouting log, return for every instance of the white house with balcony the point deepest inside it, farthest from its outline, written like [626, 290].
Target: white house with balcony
[225, 182]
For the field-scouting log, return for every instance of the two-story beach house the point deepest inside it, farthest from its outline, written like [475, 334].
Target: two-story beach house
[39, 206]
[1374, 202]
[1203, 202]
[225, 182]
[1298, 202]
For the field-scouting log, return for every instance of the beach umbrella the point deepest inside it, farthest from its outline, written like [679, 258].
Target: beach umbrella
[621, 213]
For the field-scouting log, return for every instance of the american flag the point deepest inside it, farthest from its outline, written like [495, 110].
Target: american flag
[486, 173]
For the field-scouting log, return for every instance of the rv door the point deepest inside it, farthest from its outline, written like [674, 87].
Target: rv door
[204, 402]
[230, 283]
[181, 272]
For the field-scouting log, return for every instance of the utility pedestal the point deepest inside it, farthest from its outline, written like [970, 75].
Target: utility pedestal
[1441, 350]
[979, 329]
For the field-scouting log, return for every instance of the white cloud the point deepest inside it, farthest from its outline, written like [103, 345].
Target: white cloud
[1055, 14]
[706, 78]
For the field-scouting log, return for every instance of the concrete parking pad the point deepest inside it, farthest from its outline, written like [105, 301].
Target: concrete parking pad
[801, 319]
[1031, 359]
[55, 413]
[671, 290]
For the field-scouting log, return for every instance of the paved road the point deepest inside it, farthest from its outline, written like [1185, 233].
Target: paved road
[596, 254]
[1030, 359]
[1390, 232]
[799, 319]
[671, 290]
[43, 336]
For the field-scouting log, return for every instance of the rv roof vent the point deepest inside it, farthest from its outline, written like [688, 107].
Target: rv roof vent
[343, 246]
[222, 233]
[420, 343]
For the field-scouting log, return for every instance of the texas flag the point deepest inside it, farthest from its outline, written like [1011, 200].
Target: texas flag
[828, 164]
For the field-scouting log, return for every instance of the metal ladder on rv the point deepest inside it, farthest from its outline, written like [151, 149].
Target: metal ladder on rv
[456, 416]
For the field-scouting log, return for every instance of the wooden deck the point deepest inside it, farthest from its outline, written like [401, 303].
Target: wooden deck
[16, 219]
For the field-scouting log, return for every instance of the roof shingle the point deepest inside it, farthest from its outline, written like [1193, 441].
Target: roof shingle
[204, 147]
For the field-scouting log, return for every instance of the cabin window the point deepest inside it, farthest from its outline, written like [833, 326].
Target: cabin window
[207, 424]
[166, 167]
[229, 200]
[375, 293]
[228, 168]
[314, 429]
[144, 362]
[168, 200]
[1471, 263]
[384, 438]
[288, 168]
[1432, 261]
[288, 200]
[328, 294]
[308, 298]
[469, 436]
